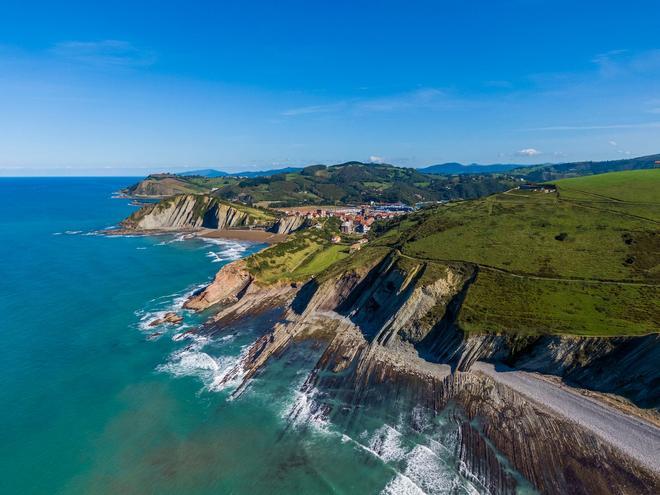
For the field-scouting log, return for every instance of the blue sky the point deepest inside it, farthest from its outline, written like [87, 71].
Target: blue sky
[128, 89]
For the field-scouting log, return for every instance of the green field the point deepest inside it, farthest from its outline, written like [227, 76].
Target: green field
[549, 234]
[639, 186]
[303, 255]
[500, 303]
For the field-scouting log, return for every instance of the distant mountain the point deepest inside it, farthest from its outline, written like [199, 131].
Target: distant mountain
[546, 171]
[207, 172]
[454, 168]
[212, 173]
[267, 173]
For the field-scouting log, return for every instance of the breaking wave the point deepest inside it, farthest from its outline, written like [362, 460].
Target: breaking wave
[231, 250]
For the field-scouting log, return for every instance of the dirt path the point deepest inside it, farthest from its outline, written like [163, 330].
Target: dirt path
[532, 277]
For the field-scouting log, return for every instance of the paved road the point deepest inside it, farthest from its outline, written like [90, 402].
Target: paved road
[637, 438]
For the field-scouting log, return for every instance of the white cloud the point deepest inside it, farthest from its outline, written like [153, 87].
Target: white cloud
[104, 53]
[528, 152]
[612, 143]
[376, 159]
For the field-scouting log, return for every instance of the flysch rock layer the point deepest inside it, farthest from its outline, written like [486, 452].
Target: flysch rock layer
[389, 335]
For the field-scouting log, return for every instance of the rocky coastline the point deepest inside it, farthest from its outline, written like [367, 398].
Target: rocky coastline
[380, 346]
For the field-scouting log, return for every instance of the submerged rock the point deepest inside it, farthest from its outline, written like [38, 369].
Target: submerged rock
[170, 318]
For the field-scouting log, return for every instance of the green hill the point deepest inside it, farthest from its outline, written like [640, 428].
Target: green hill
[583, 260]
[356, 182]
[351, 182]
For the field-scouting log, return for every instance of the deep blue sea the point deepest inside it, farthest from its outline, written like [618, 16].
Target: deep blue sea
[93, 400]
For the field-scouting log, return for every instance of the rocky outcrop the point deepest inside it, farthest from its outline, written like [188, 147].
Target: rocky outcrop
[393, 302]
[170, 318]
[190, 212]
[229, 283]
[234, 293]
[288, 224]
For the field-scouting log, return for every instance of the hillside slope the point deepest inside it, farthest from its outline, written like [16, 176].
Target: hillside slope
[162, 186]
[549, 172]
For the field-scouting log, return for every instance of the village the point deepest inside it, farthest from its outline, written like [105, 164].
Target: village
[355, 220]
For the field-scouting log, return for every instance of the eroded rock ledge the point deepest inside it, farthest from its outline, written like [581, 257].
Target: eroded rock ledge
[390, 333]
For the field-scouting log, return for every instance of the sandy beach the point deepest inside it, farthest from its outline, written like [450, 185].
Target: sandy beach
[251, 235]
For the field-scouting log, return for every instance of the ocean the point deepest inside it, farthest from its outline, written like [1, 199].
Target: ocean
[96, 401]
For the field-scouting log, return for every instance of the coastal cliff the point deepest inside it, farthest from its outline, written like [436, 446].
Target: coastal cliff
[390, 335]
[396, 304]
[193, 211]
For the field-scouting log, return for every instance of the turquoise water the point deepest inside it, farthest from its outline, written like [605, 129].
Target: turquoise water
[94, 402]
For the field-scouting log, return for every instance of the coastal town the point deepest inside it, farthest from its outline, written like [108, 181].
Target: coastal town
[354, 219]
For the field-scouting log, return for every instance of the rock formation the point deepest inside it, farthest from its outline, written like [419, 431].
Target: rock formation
[190, 212]
[226, 287]
[170, 318]
[288, 224]
[390, 335]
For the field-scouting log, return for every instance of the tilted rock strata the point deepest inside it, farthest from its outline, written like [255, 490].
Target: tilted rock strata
[188, 212]
[288, 224]
[387, 331]
[227, 286]
[390, 305]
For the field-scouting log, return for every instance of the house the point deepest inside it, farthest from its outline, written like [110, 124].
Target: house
[347, 227]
